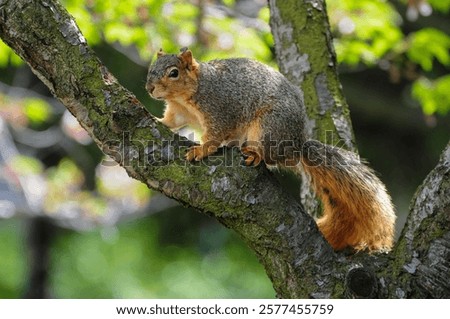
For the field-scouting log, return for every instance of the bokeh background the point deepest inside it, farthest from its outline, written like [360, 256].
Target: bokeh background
[74, 225]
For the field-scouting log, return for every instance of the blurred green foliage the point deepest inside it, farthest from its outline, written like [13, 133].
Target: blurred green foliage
[37, 110]
[428, 44]
[433, 94]
[177, 253]
[440, 5]
[365, 30]
[26, 165]
[149, 25]
[13, 261]
[132, 262]
[29, 111]
[370, 33]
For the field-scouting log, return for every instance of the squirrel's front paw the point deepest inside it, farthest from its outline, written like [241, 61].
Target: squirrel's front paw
[252, 156]
[195, 152]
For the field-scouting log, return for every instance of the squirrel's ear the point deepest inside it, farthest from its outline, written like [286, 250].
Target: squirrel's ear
[160, 53]
[186, 57]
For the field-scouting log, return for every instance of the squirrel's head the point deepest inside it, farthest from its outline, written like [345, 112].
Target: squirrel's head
[173, 76]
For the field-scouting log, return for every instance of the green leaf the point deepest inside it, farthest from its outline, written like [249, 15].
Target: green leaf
[428, 44]
[434, 96]
[4, 54]
[24, 165]
[8, 56]
[229, 3]
[353, 52]
[37, 110]
[66, 174]
[440, 5]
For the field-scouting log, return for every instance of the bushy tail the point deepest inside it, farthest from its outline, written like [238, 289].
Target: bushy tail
[357, 211]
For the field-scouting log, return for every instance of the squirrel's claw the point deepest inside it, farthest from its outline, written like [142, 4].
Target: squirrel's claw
[194, 153]
[252, 157]
[198, 152]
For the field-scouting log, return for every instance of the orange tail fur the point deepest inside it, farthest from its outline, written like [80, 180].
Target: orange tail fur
[357, 211]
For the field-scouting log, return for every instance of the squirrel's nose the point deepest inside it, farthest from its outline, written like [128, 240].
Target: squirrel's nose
[150, 88]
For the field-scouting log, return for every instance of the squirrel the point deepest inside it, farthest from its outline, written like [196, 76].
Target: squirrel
[243, 100]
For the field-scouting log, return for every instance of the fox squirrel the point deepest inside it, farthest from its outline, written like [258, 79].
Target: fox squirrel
[248, 102]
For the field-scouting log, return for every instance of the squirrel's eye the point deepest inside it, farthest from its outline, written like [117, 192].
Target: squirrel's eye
[173, 73]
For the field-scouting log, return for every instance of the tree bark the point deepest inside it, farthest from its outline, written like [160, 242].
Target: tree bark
[421, 268]
[40, 236]
[248, 200]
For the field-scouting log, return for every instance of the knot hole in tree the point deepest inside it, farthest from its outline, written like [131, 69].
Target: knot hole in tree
[362, 282]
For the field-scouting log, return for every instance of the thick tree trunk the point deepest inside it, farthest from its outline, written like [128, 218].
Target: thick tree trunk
[249, 200]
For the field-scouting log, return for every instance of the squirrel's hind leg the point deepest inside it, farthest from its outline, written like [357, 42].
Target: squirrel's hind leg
[252, 155]
[252, 148]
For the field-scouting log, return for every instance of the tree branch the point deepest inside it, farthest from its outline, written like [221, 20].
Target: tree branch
[423, 250]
